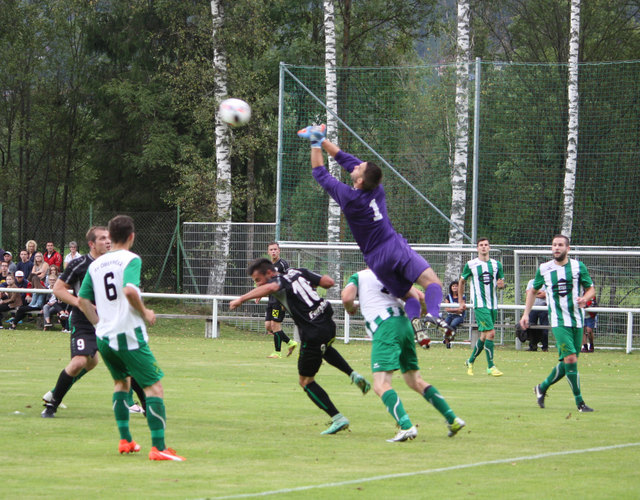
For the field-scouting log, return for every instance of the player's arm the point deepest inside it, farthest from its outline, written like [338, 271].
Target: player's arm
[461, 301]
[62, 291]
[500, 276]
[531, 298]
[85, 296]
[348, 296]
[132, 293]
[256, 293]
[588, 294]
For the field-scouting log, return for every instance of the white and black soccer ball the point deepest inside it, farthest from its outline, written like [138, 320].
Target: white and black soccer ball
[234, 112]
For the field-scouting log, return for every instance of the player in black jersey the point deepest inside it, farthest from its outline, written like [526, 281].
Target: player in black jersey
[275, 312]
[296, 291]
[83, 334]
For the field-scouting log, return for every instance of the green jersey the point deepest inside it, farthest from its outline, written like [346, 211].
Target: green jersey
[483, 283]
[564, 284]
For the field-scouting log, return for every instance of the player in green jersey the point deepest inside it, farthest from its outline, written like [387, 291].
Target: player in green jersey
[486, 277]
[564, 279]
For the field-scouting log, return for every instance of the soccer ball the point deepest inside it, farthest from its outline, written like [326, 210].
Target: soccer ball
[234, 112]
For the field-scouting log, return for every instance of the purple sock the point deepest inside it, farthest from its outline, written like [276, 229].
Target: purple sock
[412, 308]
[433, 298]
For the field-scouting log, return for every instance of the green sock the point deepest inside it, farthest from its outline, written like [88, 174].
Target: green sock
[395, 408]
[476, 350]
[79, 376]
[574, 380]
[130, 397]
[556, 374]
[121, 411]
[432, 395]
[488, 349]
[157, 421]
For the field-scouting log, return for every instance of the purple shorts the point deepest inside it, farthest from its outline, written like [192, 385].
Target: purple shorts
[397, 266]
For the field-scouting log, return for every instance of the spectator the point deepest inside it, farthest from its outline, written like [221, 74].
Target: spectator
[21, 282]
[32, 247]
[38, 300]
[52, 256]
[39, 271]
[55, 306]
[590, 323]
[10, 301]
[52, 276]
[8, 258]
[455, 315]
[4, 272]
[25, 265]
[538, 318]
[73, 253]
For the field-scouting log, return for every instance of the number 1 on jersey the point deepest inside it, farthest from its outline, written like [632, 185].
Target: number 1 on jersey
[376, 211]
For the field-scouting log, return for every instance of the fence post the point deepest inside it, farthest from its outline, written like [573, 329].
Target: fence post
[346, 327]
[211, 325]
[629, 332]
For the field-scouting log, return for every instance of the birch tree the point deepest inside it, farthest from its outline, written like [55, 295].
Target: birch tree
[572, 130]
[223, 163]
[459, 168]
[333, 215]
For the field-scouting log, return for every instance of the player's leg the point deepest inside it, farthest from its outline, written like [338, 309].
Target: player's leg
[570, 352]
[142, 407]
[278, 316]
[334, 358]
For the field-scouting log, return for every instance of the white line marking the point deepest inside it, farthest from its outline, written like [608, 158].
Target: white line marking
[428, 471]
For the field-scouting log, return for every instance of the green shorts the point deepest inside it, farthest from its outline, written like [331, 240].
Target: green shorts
[394, 346]
[486, 318]
[568, 340]
[139, 364]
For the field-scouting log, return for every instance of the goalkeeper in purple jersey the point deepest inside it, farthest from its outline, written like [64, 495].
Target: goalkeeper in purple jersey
[385, 251]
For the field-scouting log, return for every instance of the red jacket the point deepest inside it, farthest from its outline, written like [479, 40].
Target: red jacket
[54, 259]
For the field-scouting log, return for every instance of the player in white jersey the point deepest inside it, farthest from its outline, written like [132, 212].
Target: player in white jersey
[112, 283]
[486, 277]
[393, 348]
[569, 288]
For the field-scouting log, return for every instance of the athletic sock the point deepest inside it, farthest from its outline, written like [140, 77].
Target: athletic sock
[82, 373]
[277, 342]
[320, 398]
[395, 408]
[556, 374]
[130, 401]
[477, 349]
[488, 350]
[432, 395]
[334, 358]
[157, 421]
[412, 308]
[433, 298]
[64, 383]
[574, 380]
[121, 412]
[140, 393]
[284, 339]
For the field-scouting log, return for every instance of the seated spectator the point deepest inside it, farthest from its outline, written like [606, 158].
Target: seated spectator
[10, 301]
[4, 272]
[40, 269]
[21, 282]
[51, 256]
[51, 275]
[8, 258]
[25, 265]
[38, 300]
[455, 315]
[54, 306]
[73, 253]
[32, 247]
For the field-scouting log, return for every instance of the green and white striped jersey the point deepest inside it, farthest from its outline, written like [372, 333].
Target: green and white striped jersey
[120, 324]
[483, 283]
[564, 285]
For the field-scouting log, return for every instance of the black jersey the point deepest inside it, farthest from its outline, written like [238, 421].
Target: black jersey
[282, 266]
[311, 313]
[73, 275]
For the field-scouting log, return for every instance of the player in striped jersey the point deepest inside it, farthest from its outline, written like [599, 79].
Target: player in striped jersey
[393, 348]
[113, 282]
[565, 279]
[486, 277]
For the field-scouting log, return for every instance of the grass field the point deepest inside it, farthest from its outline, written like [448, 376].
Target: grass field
[248, 430]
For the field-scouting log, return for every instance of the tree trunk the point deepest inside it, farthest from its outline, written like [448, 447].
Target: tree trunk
[223, 164]
[460, 160]
[571, 163]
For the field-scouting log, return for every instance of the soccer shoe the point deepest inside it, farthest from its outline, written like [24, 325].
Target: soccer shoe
[292, 344]
[361, 382]
[275, 355]
[422, 337]
[337, 425]
[166, 454]
[49, 411]
[404, 435]
[583, 408]
[494, 372]
[315, 133]
[469, 367]
[584, 349]
[540, 395]
[136, 408]
[440, 324]
[128, 446]
[48, 398]
[455, 427]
